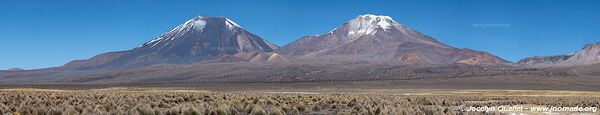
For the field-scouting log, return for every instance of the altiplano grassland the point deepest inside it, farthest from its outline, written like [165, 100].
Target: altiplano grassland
[173, 101]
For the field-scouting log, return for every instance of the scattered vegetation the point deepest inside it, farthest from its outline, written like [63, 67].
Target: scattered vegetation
[171, 102]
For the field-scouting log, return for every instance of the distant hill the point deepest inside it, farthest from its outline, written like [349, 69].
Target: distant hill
[15, 69]
[588, 55]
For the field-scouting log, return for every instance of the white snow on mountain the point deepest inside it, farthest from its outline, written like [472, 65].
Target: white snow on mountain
[197, 23]
[368, 24]
[231, 24]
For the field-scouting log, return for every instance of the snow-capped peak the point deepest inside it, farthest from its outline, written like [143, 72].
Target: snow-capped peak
[231, 24]
[384, 22]
[368, 23]
[197, 24]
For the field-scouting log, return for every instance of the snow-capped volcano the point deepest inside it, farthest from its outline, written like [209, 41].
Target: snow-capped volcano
[369, 25]
[380, 38]
[201, 38]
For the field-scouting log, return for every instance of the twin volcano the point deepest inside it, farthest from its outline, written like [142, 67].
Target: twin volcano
[199, 39]
[380, 38]
[365, 38]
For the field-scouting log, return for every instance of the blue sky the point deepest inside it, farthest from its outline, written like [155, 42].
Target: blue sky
[47, 33]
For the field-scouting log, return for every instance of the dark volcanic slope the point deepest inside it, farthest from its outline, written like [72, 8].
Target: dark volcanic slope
[379, 38]
[287, 72]
[590, 54]
[588, 70]
[198, 39]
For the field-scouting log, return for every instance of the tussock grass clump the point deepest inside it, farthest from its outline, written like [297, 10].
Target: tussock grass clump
[257, 110]
[276, 111]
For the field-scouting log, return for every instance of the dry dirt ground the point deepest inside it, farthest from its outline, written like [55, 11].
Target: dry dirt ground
[571, 83]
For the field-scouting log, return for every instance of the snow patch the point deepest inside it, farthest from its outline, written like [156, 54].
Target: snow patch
[198, 24]
[384, 24]
[230, 24]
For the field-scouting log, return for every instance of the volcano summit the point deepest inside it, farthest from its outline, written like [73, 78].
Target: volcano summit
[199, 39]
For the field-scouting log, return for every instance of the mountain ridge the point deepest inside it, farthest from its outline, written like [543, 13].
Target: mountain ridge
[588, 55]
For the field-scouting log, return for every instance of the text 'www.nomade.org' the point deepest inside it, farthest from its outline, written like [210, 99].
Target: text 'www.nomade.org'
[523, 108]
